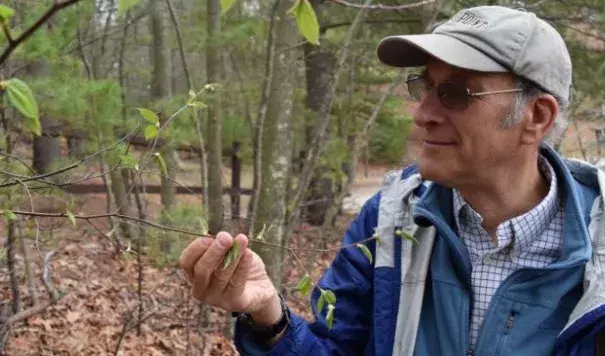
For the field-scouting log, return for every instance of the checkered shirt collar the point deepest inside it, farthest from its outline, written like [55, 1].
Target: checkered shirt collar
[520, 230]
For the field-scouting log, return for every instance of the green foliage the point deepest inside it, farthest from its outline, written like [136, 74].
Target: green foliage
[231, 255]
[21, 97]
[226, 5]
[406, 235]
[151, 132]
[388, 139]
[71, 217]
[160, 161]
[149, 115]
[306, 20]
[6, 13]
[304, 286]
[366, 251]
[8, 215]
[125, 5]
[327, 296]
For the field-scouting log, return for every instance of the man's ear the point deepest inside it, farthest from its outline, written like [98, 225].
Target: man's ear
[540, 115]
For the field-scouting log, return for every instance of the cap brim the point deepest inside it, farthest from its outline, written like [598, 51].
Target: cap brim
[415, 51]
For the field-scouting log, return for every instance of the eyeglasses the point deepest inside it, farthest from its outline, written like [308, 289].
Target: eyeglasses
[452, 96]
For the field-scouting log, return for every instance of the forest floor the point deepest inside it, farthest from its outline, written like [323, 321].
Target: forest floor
[98, 312]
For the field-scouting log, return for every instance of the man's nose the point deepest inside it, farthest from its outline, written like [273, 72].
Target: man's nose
[429, 111]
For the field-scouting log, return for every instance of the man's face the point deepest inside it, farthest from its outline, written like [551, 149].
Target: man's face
[461, 148]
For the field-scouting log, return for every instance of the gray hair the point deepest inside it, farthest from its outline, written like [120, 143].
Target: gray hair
[529, 92]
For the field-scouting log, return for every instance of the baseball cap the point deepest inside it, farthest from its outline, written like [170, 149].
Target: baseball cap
[490, 39]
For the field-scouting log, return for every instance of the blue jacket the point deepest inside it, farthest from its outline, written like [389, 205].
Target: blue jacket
[414, 299]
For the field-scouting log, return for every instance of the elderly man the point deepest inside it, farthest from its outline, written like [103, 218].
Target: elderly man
[510, 251]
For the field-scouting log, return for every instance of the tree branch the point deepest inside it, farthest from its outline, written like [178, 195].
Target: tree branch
[12, 45]
[71, 166]
[382, 7]
[369, 22]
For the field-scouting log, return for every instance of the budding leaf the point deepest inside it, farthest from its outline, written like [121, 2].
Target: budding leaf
[320, 302]
[196, 104]
[161, 163]
[329, 296]
[366, 251]
[203, 226]
[304, 286]
[22, 98]
[406, 236]
[6, 13]
[8, 215]
[128, 161]
[306, 20]
[330, 316]
[226, 5]
[151, 132]
[231, 255]
[149, 115]
[71, 217]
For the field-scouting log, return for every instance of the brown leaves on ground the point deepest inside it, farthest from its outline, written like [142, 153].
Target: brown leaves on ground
[101, 301]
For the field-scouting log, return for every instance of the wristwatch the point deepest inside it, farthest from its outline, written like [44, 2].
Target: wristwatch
[261, 333]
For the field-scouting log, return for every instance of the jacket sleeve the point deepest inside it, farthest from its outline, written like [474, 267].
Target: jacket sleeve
[350, 278]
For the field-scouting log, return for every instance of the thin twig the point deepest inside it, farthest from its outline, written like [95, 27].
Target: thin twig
[71, 166]
[382, 7]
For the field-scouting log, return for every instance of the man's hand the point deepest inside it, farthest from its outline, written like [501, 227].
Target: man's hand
[241, 287]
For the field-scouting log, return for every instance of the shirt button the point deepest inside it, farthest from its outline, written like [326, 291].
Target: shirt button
[487, 260]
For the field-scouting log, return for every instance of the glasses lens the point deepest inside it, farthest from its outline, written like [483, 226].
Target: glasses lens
[418, 87]
[452, 96]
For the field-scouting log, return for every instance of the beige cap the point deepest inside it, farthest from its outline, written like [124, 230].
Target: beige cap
[490, 39]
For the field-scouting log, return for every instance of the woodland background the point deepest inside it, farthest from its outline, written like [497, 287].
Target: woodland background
[129, 127]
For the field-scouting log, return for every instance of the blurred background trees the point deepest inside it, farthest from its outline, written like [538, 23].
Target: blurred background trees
[300, 107]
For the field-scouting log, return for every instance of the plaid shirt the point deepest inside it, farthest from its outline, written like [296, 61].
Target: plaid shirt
[533, 239]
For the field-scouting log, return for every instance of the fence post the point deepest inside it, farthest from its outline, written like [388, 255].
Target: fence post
[235, 181]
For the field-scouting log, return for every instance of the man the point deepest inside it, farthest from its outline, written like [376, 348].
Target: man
[510, 250]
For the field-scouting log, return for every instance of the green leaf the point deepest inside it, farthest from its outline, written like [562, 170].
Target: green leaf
[71, 218]
[329, 296]
[330, 316]
[149, 115]
[22, 98]
[197, 104]
[306, 21]
[128, 161]
[231, 255]
[6, 13]
[161, 163]
[226, 5]
[304, 286]
[203, 226]
[366, 251]
[125, 5]
[8, 215]
[151, 132]
[320, 302]
[406, 235]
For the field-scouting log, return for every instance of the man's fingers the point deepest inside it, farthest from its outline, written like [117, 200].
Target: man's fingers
[240, 275]
[209, 262]
[222, 276]
[192, 253]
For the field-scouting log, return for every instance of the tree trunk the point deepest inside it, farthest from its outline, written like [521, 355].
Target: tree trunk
[319, 65]
[12, 268]
[276, 146]
[160, 88]
[213, 123]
